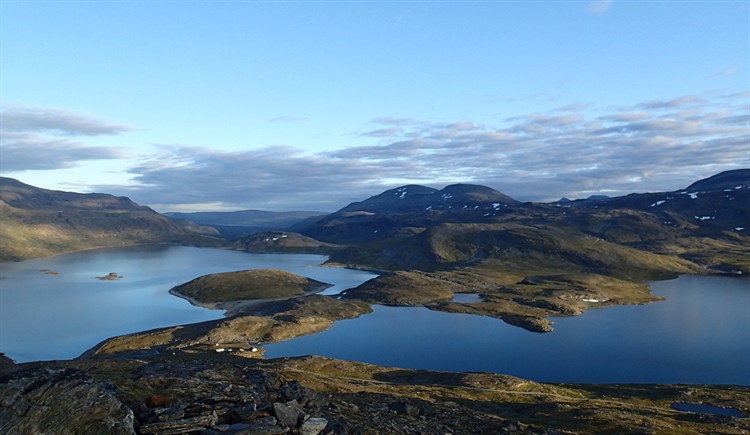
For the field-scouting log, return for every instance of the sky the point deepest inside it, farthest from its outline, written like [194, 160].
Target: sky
[310, 105]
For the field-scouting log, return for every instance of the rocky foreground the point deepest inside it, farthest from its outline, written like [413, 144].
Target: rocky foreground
[227, 394]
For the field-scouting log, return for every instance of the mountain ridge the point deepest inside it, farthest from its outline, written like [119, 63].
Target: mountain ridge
[36, 222]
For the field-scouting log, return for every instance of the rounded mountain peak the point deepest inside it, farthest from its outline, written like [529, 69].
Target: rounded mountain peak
[723, 180]
[475, 192]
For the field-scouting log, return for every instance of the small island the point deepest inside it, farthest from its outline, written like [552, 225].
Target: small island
[112, 276]
[234, 290]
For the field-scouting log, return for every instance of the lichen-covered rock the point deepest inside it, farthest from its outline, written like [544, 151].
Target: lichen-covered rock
[60, 401]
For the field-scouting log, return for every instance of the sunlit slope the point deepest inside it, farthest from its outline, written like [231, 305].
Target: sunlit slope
[37, 222]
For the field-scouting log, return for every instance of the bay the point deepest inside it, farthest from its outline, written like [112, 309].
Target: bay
[55, 308]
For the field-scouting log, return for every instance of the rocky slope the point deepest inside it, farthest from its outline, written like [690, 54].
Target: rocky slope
[312, 395]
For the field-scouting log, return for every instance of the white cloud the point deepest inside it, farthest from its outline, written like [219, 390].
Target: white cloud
[33, 138]
[654, 145]
[59, 122]
[599, 6]
[530, 157]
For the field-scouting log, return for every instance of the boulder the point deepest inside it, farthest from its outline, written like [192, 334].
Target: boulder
[290, 414]
[313, 426]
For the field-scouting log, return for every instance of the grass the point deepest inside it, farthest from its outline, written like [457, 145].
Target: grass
[248, 285]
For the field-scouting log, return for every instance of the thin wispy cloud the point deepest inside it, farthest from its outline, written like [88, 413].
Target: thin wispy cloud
[726, 72]
[384, 132]
[599, 6]
[687, 101]
[287, 118]
[55, 121]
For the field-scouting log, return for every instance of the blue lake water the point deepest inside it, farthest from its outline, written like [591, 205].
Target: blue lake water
[44, 316]
[700, 334]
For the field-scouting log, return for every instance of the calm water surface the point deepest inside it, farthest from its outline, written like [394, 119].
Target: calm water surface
[45, 316]
[700, 334]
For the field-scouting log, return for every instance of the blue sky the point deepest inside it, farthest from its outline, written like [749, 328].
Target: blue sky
[281, 105]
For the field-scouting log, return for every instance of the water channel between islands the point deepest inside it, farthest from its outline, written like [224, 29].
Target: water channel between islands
[54, 308]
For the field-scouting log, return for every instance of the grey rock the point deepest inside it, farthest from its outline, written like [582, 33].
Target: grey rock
[60, 401]
[185, 425]
[290, 414]
[313, 426]
[263, 426]
[404, 408]
[171, 415]
[246, 411]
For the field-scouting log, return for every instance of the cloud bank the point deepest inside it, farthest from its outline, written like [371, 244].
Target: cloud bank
[572, 151]
[651, 146]
[43, 138]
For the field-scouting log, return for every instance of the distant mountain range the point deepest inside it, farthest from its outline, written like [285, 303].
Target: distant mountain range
[235, 224]
[249, 218]
[710, 207]
[37, 222]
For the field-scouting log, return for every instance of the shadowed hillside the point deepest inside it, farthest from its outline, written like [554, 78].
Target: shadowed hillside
[531, 261]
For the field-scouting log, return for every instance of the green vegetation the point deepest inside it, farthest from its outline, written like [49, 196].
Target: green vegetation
[283, 241]
[247, 285]
[569, 407]
[268, 322]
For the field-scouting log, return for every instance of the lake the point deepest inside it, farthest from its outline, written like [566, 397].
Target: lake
[700, 334]
[60, 313]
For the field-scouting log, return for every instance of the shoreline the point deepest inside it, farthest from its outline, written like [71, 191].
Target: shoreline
[243, 306]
